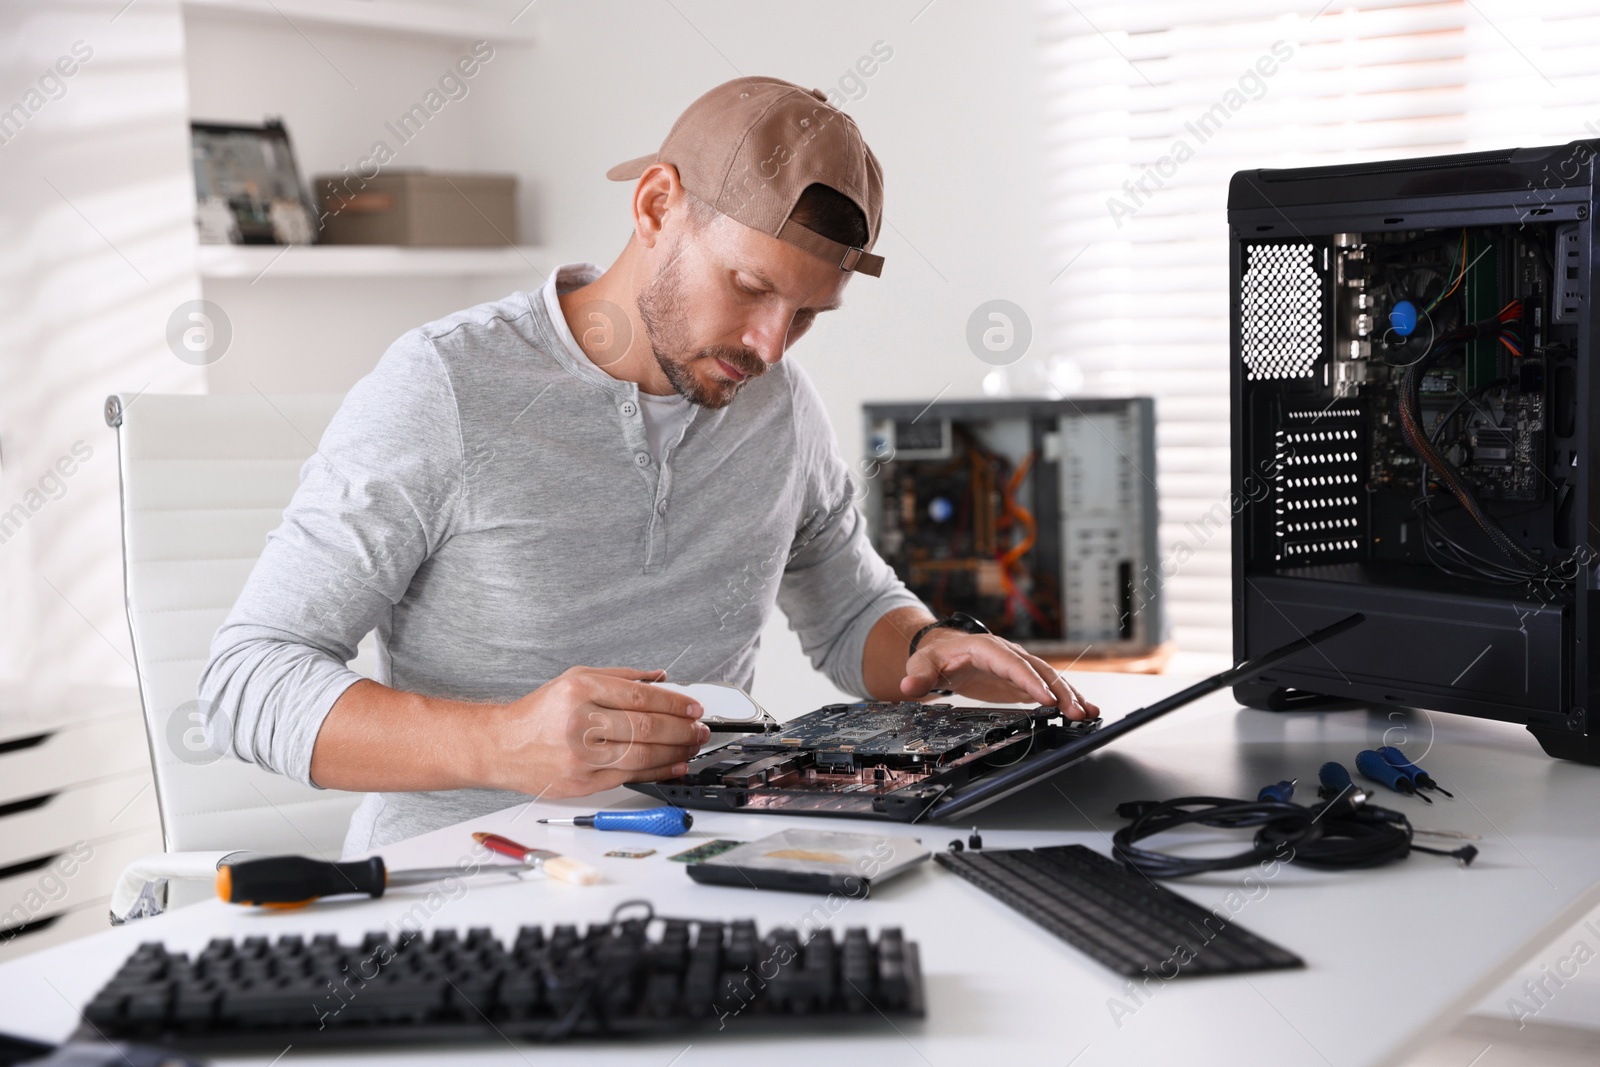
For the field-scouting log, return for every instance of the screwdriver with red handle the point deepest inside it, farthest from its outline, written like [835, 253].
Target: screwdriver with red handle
[554, 864]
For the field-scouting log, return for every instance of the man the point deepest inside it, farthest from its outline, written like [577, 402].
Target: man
[618, 468]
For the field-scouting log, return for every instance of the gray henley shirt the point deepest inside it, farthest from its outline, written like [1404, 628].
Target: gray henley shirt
[486, 500]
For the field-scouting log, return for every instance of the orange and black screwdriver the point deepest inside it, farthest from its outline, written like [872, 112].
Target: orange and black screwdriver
[289, 881]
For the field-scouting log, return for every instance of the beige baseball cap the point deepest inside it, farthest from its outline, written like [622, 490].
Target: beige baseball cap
[751, 146]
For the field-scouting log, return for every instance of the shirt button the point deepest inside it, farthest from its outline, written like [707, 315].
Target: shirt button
[629, 408]
[641, 459]
[661, 508]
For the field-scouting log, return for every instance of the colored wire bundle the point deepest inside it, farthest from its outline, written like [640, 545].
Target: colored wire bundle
[1010, 559]
[1461, 263]
[1002, 530]
[1510, 319]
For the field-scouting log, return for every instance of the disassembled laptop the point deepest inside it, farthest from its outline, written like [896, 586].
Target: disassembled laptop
[882, 759]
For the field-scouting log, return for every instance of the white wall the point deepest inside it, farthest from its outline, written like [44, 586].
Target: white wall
[951, 117]
[95, 253]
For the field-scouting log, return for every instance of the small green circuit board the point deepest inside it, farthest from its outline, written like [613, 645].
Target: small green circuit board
[701, 853]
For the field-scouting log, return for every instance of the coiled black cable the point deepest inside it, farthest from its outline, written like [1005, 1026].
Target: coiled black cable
[1334, 835]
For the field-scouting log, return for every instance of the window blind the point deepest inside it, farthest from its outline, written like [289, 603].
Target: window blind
[1149, 108]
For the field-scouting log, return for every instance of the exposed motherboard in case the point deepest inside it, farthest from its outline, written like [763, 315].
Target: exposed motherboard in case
[1454, 427]
[1036, 516]
[1499, 273]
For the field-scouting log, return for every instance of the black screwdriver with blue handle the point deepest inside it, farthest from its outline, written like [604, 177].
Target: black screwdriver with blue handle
[1282, 792]
[1371, 765]
[1419, 777]
[662, 822]
[1335, 783]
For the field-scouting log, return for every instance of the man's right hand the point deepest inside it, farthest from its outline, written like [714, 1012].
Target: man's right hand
[586, 730]
[594, 728]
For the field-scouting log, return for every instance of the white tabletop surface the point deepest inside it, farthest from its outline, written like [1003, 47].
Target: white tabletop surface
[1394, 956]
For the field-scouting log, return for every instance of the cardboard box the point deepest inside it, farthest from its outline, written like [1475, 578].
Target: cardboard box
[418, 209]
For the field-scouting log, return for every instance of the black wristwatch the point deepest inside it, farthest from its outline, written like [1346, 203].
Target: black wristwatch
[958, 620]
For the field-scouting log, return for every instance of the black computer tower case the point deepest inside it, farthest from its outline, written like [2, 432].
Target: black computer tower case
[1412, 396]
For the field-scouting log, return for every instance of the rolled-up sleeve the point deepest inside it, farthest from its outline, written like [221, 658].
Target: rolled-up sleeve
[374, 501]
[835, 586]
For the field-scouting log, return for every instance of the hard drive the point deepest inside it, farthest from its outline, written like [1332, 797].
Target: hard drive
[813, 861]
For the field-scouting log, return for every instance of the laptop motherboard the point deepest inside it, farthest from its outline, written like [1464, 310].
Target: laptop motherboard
[884, 759]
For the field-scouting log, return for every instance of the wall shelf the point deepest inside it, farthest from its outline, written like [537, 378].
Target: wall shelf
[267, 262]
[502, 22]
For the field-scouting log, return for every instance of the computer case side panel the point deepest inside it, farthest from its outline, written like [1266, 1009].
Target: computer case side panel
[1248, 509]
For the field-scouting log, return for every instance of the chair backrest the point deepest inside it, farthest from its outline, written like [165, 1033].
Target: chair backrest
[204, 480]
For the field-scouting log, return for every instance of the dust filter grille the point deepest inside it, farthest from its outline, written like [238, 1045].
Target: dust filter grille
[1318, 482]
[1280, 310]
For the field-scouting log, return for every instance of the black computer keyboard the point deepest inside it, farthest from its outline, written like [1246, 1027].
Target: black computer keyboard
[623, 978]
[1118, 916]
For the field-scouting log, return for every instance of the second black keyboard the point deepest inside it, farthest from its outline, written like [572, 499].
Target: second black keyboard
[631, 977]
[1118, 916]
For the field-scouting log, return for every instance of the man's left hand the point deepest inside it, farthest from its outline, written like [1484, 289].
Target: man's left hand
[989, 668]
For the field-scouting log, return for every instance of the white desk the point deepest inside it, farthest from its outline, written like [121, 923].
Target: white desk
[1393, 956]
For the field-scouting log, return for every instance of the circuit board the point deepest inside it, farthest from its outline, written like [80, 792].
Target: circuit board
[949, 518]
[901, 731]
[1499, 445]
[1484, 406]
[701, 853]
[871, 757]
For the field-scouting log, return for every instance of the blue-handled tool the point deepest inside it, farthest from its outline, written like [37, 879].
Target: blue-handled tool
[663, 822]
[1282, 792]
[1419, 777]
[1336, 783]
[1371, 765]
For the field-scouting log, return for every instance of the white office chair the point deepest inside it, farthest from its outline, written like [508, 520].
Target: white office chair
[204, 479]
